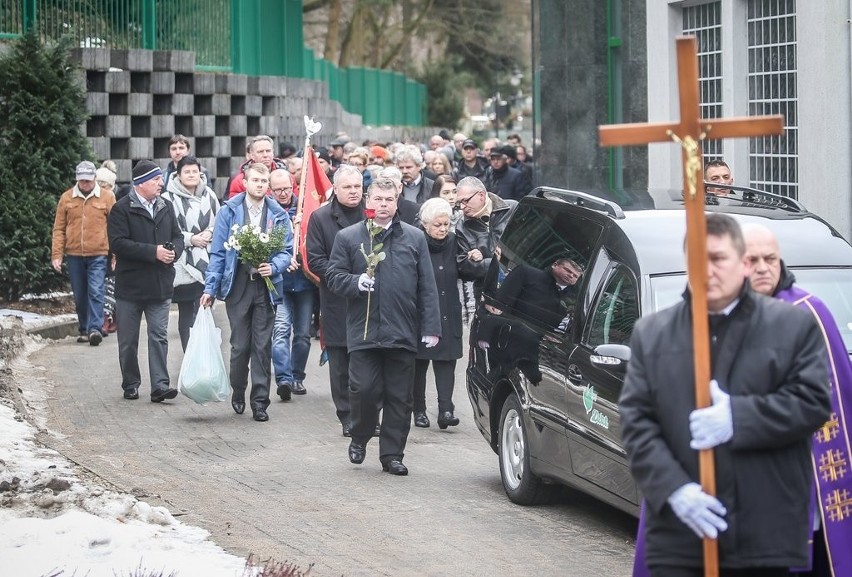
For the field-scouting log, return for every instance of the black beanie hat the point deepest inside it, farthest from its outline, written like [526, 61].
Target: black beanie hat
[144, 171]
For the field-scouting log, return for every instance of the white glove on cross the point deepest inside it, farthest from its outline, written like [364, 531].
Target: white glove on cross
[714, 425]
[699, 511]
[365, 283]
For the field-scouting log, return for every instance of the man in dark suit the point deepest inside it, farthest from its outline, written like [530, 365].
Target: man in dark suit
[401, 300]
[248, 301]
[769, 392]
[345, 208]
[146, 240]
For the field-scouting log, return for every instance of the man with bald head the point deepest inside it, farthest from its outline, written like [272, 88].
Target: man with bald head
[769, 276]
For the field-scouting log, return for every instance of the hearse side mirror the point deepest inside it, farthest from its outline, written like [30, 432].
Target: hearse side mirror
[612, 357]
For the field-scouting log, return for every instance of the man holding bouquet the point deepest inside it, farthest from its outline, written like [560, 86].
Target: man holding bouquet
[383, 269]
[251, 248]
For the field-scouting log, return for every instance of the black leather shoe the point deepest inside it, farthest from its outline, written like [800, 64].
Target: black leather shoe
[131, 394]
[421, 420]
[447, 419]
[260, 415]
[357, 452]
[284, 391]
[163, 394]
[347, 429]
[395, 467]
[298, 388]
[378, 431]
[238, 403]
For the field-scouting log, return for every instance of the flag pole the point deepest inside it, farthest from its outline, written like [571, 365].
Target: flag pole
[311, 128]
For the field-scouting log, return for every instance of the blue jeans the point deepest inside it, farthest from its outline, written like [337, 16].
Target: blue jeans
[293, 316]
[88, 274]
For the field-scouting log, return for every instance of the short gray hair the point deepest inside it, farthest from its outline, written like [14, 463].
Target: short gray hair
[346, 170]
[433, 208]
[409, 152]
[472, 182]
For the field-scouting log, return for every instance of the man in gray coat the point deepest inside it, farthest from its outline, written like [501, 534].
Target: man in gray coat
[388, 313]
[770, 393]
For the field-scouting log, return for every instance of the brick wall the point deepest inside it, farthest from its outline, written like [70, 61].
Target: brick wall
[137, 99]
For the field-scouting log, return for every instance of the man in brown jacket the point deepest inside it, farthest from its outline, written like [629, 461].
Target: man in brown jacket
[80, 235]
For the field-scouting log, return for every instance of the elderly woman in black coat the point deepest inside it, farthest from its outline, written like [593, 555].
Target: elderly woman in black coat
[435, 216]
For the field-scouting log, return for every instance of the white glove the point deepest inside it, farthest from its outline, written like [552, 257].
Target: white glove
[699, 511]
[430, 341]
[714, 425]
[482, 344]
[365, 283]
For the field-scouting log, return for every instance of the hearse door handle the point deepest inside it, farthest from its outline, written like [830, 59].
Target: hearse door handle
[574, 374]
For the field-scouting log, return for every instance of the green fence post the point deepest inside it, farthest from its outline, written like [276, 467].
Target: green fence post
[149, 24]
[29, 15]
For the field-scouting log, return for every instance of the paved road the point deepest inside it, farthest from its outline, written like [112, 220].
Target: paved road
[285, 489]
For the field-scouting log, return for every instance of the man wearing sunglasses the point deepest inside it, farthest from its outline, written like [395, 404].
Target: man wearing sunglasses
[477, 234]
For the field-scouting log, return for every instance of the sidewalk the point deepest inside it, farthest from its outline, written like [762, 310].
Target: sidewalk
[285, 489]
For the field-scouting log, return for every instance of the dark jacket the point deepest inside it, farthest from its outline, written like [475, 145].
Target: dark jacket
[772, 360]
[324, 225]
[404, 305]
[424, 189]
[474, 233]
[508, 183]
[408, 210]
[443, 256]
[133, 239]
[478, 170]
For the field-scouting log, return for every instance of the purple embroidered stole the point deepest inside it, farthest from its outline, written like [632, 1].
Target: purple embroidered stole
[832, 450]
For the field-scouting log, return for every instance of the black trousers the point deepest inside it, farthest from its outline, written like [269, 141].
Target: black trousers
[445, 381]
[338, 378]
[382, 377]
[251, 317]
[664, 571]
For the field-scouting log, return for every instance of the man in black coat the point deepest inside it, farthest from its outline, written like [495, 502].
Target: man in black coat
[146, 240]
[477, 234]
[770, 393]
[345, 209]
[506, 182]
[391, 307]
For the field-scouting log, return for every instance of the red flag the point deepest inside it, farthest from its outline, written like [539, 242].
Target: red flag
[317, 188]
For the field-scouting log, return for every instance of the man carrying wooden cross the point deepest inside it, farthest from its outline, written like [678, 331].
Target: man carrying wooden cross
[769, 393]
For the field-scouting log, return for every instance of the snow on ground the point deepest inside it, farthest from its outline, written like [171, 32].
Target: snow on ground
[52, 523]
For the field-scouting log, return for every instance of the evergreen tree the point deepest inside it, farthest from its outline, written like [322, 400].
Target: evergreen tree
[42, 107]
[443, 95]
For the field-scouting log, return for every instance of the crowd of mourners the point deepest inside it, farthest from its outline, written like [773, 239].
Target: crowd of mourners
[433, 211]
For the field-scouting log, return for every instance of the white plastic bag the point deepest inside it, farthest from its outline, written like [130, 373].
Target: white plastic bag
[202, 373]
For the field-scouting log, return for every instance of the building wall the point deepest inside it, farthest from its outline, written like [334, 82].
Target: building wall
[824, 94]
[570, 61]
[138, 99]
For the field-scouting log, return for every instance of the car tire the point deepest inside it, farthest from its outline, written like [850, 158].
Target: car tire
[521, 485]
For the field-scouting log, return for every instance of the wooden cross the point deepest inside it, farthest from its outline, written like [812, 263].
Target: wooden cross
[689, 133]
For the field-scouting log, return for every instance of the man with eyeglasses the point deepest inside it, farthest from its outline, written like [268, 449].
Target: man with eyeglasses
[388, 314]
[293, 314]
[477, 234]
[260, 151]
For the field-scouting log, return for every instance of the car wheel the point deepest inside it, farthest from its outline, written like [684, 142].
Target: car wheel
[521, 486]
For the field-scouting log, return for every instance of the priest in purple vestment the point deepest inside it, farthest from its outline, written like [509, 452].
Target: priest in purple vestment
[831, 502]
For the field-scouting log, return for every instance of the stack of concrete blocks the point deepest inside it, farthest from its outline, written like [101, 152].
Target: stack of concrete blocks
[138, 99]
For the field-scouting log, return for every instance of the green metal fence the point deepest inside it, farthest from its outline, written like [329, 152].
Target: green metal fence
[254, 37]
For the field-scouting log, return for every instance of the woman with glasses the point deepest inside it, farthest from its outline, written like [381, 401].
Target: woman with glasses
[435, 215]
[195, 206]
